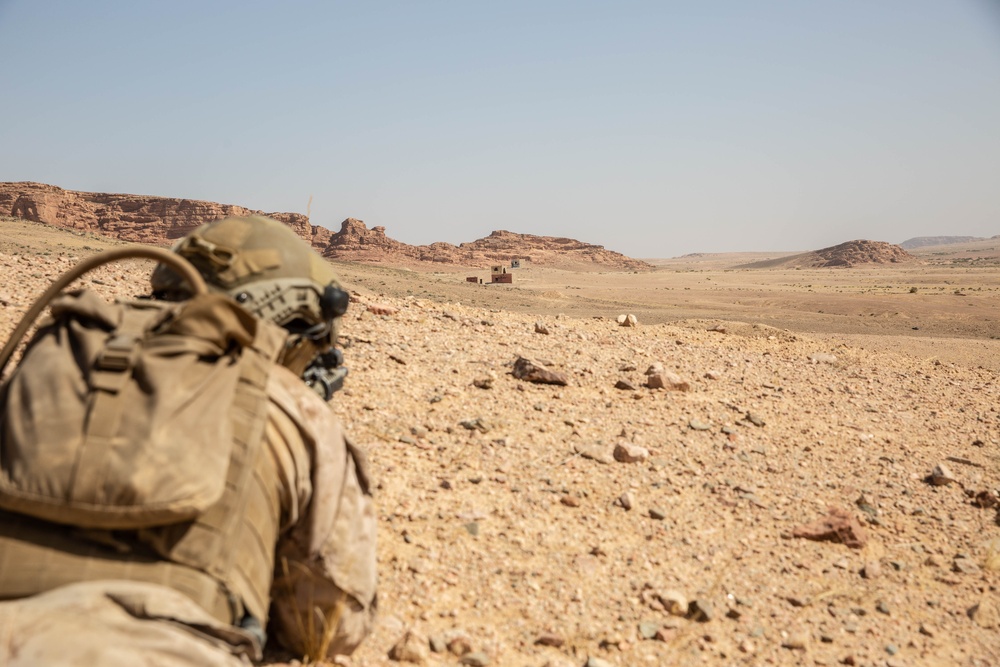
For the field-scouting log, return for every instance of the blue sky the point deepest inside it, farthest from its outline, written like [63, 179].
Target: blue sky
[652, 128]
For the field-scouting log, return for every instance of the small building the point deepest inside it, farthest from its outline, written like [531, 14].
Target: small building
[473, 279]
[498, 268]
[503, 277]
[515, 264]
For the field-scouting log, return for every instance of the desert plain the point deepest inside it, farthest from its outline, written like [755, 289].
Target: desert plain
[605, 522]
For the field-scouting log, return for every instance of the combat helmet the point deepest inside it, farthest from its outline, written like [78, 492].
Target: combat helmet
[272, 272]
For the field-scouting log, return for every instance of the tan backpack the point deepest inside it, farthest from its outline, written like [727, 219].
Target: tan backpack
[117, 416]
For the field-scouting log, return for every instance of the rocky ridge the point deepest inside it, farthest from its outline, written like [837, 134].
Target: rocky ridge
[844, 255]
[159, 220]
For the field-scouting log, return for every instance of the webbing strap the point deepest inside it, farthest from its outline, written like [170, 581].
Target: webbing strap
[111, 372]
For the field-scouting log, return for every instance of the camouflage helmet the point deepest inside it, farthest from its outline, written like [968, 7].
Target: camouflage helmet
[272, 272]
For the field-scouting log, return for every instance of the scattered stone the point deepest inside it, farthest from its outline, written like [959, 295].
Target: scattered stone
[871, 570]
[822, 358]
[701, 610]
[674, 602]
[718, 328]
[628, 320]
[747, 646]
[837, 526]
[472, 528]
[626, 452]
[964, 566]
[529, 371]
[654, 369]
[986, 499]
[657, 514]
[625, 385]
[483, 382]
[796, 641]
[698, 425]
[477, 424]
[882, 608]
[411, 647]
[381, 309]
[626, 501]
[648, 629]
[667, 380]
[891, 649]
[941, 475]
[598, 453]
[438, 644]
[755, 419]
[713, 375]
[570, 501]
[549, 639]
[475, 659]
[927, 630]
[541, 328]
[459, 645]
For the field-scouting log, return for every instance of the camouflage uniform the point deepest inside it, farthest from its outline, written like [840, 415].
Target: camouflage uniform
[305, 556]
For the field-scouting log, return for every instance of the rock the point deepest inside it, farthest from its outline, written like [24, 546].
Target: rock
[965, 566]
[718, 328]
[941, 475]
[626, 501]
[755, 419]
[596, 662]
[837, 526]
[381, 309]
[459, 645]
[411, 647]
[624, 385]
[438, 644]
[541, 328]
[675, 603]
[629, 320]
[657, 514]
[698, 425]
[655, 368]
[871, 570]
[986, 499]
[483, 382]
[713, 375]
[648, 629]
[598, 453]
[796, 641]
[667, 380]
[701, 610]
[477, 424]
[529, 371]
[549, 639]
[626, 452]
[570, 501]
[822, 358]
[475, 659]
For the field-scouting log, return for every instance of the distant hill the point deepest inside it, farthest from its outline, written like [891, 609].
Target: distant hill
[852, 253]
[921, 241]
[160, 220]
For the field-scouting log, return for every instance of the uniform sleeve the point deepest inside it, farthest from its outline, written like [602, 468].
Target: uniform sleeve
[324, 591]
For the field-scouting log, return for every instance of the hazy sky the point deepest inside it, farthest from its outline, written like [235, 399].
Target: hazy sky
[653, 128]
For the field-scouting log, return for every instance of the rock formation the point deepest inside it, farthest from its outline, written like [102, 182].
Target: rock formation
[846, 255]
[159, 220]
[136, 218]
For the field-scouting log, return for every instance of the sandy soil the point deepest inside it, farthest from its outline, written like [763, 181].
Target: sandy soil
[508, 528]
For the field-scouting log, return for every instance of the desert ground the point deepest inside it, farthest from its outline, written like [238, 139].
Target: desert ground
[603, 522]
